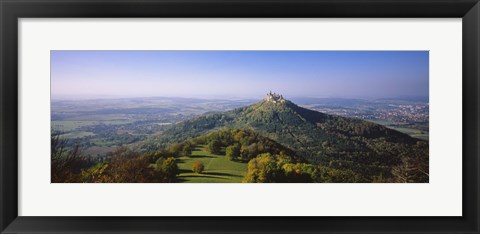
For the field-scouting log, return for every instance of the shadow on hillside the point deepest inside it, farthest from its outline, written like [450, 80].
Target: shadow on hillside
[207, 174]
[201, 156]
[183, 178]
[221, 174]
[210, 175]
[179, 160]
[199, 148]
[205, 149]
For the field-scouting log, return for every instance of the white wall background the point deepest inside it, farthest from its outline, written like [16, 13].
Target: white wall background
[441, 197]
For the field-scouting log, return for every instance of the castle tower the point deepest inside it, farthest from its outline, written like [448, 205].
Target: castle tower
[274, 97]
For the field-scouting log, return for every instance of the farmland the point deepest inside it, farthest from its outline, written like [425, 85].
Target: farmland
[99, 126]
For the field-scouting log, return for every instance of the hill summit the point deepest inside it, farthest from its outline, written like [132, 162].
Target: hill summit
[274, 98]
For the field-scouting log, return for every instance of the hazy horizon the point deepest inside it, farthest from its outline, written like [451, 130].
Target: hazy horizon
[80, 75]
[216, 98]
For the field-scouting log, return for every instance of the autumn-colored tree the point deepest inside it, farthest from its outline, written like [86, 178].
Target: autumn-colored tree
[299, 172]
[198, 167]
[239, 135]
[263, 169]
[96, 174]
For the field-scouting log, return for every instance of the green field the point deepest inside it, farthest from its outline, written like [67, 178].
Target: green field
[421, 136]
[409, 131]
[77, 134]
[415, 133]
[70, 125]
[218, 169]
[67, 125]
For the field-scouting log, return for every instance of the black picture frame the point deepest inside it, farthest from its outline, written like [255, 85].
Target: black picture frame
[12, 10]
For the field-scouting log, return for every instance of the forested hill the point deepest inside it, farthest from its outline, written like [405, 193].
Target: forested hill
[345, 143]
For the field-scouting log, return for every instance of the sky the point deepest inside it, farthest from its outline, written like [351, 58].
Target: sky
[239, 74]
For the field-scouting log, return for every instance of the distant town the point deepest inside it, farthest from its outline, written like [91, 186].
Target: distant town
[409, 116]
[399, 113]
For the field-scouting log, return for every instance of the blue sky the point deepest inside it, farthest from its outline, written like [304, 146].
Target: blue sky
[238, 74]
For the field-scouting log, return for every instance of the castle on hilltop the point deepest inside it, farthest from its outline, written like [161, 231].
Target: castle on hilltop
[275, 98]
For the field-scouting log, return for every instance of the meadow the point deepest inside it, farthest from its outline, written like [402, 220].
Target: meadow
[218, 169]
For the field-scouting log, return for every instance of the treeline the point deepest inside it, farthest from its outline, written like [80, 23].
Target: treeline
[237, 144]
[268, 168]
[185, 130]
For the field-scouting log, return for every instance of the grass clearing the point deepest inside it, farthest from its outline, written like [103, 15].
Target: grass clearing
[69, 125]
[415, 133]
[409, 131]
[421, 136]
[218, 169]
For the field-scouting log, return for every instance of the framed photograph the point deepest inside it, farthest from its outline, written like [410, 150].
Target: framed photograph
[239, 116]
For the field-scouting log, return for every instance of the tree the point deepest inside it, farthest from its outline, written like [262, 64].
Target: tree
[175, 149]
[239, 135]
[127, 166]
[233, 152]
[169, 168]
[249, 152]
[263, 169]
[214, 146]
[187, 149]
[66, 165]
[198, 167]
[410, 170]
[95, 174]
[153, 156]
[299, 172]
